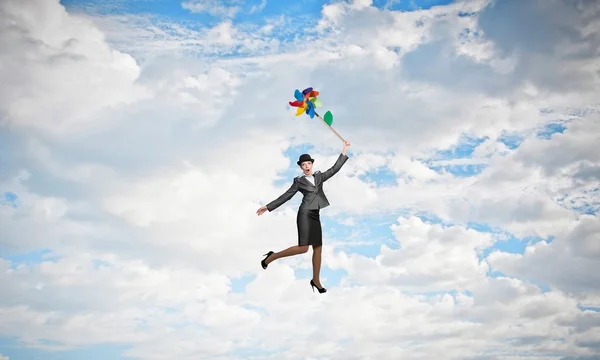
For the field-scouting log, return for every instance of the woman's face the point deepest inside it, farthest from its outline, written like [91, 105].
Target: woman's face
[306, 166]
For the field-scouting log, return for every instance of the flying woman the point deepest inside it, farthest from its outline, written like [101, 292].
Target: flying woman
[307, 220]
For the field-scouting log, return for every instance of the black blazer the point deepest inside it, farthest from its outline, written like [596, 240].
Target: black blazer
[314, 197]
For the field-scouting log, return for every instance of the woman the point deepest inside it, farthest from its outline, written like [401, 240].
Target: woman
[307, 220]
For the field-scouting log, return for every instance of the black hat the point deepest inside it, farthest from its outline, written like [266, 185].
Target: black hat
[305, 157]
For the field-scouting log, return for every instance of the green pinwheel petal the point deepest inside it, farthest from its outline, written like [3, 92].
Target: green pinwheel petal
[328, 118]
[316, 102]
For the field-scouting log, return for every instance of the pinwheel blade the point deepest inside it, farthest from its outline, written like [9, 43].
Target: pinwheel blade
[299, 111]
[316, 102]
[296, 103]
[298, 95]
[328, 118]
[309, 104]
[311, 111]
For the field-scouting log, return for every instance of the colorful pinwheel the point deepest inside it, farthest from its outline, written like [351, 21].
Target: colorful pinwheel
[307, 101]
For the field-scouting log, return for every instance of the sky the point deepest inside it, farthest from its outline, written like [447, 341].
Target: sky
[138, 138]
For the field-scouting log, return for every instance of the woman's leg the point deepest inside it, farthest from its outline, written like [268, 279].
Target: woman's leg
[316, 263]
[291, 251]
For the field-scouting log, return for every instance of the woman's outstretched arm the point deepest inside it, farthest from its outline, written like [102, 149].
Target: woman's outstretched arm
[283, 197]
[338, 164]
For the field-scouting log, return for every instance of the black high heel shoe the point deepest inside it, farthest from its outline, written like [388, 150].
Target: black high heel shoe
[313, 285]
[262, 262]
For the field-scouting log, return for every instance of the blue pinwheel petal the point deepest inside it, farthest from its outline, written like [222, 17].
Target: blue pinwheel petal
[310, 109]
[310, 105]
[298, 95]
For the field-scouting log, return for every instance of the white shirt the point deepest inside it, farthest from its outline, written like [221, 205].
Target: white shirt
[310, 178]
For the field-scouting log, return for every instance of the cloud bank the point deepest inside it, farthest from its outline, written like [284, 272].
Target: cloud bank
[136, 150]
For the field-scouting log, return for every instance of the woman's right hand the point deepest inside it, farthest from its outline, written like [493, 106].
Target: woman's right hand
[261, 210]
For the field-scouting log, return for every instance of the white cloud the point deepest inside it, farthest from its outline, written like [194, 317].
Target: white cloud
[430, 258]
[213, 7]
[59, 74]
[151, 214]
[566, 263]
[259, 7]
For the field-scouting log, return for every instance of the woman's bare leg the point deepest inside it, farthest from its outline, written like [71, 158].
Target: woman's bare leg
[316, 263]
[291, 251]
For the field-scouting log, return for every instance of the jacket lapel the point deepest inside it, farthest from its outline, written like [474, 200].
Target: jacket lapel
[308, 183]
[317, 176]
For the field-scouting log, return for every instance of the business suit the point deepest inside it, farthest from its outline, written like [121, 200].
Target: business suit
[314, 199]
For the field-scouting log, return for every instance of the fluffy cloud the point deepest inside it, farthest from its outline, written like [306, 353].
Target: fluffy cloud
[564, 35]
[59, 73]
[567, 263]
[148, 211]
[430, 258]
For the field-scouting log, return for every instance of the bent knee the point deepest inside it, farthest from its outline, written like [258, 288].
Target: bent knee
[304, 248]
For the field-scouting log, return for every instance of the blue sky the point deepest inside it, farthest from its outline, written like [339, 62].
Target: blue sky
[173, 9]
[48, 159]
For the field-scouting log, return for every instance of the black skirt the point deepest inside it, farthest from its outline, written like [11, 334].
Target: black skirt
[309, 228]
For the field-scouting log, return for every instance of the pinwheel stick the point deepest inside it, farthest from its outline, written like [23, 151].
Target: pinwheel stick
[329, 126]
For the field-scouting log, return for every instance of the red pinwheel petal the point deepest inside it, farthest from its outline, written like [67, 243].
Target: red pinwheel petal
[296, 103]
[310, 94]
